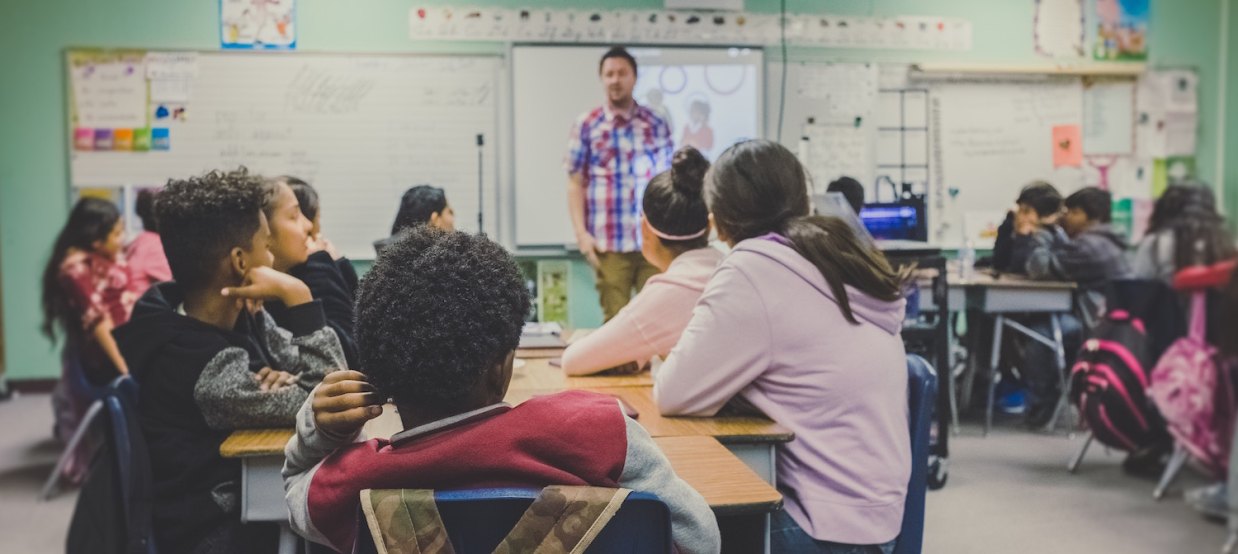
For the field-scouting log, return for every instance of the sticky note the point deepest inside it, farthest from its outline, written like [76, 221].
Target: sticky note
[1067, 146]
[84, 139]
[103, 139]
[122, 139]
[141, 140]
[160, 140]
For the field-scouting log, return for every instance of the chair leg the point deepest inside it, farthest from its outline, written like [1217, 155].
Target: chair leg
[51, 487]
[999, 323]
[1073, 466]
[1059, 352]
[1171, 471]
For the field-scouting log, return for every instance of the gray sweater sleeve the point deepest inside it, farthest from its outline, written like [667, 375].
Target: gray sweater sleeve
[693, 525]
[303, 456]
[227, 394]
[308, 348]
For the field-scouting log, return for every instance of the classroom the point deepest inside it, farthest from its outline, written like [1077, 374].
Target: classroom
[838, 276]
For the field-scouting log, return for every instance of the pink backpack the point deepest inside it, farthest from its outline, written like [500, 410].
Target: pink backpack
[1195, 395]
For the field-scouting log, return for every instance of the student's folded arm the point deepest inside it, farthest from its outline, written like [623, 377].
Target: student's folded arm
[1042, 260]
[228, 396]
[646, 469]
[303, 456]
[725, 347]
[617, 342]
[307, 347]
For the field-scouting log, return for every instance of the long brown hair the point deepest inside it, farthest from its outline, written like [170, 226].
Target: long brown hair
[758, 187]
[91, 220]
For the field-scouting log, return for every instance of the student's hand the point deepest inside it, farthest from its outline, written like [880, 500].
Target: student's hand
[588, 248]
[344, 402]
[1026, 221]
[630, 368]
[322, 244]
[265, 283]
[271, 380]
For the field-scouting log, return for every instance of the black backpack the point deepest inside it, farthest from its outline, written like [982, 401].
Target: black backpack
[1109, 383]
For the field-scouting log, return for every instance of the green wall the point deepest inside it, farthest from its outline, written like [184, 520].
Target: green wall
[33, 36]
[1230, 181]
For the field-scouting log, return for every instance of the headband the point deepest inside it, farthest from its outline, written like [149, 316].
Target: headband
[665, 236]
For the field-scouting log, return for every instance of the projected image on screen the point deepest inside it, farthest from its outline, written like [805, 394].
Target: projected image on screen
[707, 106]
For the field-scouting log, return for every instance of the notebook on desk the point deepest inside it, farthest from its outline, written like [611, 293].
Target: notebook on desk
[542, 335]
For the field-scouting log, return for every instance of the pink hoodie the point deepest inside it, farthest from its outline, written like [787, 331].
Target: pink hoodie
[768, 329]
[651, 323]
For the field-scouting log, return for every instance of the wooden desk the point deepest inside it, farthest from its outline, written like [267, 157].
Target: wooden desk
[547, 353]
[538, 374]
[728, 485]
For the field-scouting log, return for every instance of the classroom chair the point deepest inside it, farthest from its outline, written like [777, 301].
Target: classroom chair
[921, 395]
[478, 520]
[121, 491]
[75, 382]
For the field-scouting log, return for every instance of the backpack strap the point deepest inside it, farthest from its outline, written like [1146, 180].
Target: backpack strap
[404, 521]
[563, 519]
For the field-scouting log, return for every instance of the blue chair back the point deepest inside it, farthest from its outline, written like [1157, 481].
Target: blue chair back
[132, 462]
[921, 396]
[478, 520]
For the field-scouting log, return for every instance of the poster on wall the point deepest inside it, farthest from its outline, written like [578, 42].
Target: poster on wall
[258, 24]
[1058, 28]
[1121, 30]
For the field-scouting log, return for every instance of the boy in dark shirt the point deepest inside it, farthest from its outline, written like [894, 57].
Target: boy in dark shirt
[210, 361]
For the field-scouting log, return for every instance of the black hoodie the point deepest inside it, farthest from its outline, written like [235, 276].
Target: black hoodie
[333, 282]
[197, 386]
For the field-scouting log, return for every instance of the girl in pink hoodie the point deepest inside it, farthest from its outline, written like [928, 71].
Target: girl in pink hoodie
[801, 321]
[675, 239]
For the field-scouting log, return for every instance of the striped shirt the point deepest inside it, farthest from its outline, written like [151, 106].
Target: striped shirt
[617, 154]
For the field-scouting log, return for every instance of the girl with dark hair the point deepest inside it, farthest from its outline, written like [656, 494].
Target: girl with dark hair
[87, 292]
[801, 321]
[147, 263]
[675, 239]
[1185, 229]
[421, 205]
[300, 250]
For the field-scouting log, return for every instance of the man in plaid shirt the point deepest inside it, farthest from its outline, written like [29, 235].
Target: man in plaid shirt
[613, 152]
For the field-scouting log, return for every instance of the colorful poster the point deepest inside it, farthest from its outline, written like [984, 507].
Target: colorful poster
[109, 90]
[257, 24]
[1121, 30]
[1067, 146]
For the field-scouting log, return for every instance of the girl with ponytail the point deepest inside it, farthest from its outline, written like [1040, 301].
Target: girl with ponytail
[801, 321]
[675, 239]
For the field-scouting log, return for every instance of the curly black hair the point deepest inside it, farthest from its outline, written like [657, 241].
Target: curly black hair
[202, 218]
[436, 312]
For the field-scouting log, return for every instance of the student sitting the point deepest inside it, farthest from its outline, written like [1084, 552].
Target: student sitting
[1084, 249]
[307, 200]
[444, 357]
[1185, 229]
[851, 189]
[801, 321]
[1039, 206]
[675, 239]
[420, 205]
[310, 257]
[147, 264]
[86, 293]
[208, 363]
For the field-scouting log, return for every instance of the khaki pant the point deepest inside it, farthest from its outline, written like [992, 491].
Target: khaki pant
[618, 273]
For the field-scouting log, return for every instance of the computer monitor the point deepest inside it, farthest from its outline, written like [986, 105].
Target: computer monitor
[895, 221]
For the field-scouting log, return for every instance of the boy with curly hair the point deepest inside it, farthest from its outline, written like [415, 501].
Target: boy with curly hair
[438, 320]
[210, 361]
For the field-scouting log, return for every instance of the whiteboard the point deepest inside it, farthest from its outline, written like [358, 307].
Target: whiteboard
[360, 128]
[554, 85]
[989, 139]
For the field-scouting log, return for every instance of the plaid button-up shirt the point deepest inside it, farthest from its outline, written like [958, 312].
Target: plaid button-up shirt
[617, 154]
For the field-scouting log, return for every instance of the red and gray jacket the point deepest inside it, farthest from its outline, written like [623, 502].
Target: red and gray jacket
[571, 438]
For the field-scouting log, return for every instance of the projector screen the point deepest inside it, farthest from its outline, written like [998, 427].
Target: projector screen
[710, 97]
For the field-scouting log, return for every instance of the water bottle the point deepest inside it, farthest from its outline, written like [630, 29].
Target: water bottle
[967, 261]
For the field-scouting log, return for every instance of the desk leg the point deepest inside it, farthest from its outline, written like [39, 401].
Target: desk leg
[287, 540]
[1059, 351]
[999, 323]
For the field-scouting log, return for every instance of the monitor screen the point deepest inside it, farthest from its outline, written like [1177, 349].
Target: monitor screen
[894, 221]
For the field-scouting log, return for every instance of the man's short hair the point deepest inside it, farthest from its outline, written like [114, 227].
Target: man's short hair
[437, 311]
[1096, 203]
[1042, 197]
[617, 52]
[851, 189]
[202, 218]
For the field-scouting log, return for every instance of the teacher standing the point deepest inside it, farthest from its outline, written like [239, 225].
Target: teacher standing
[614, 151]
